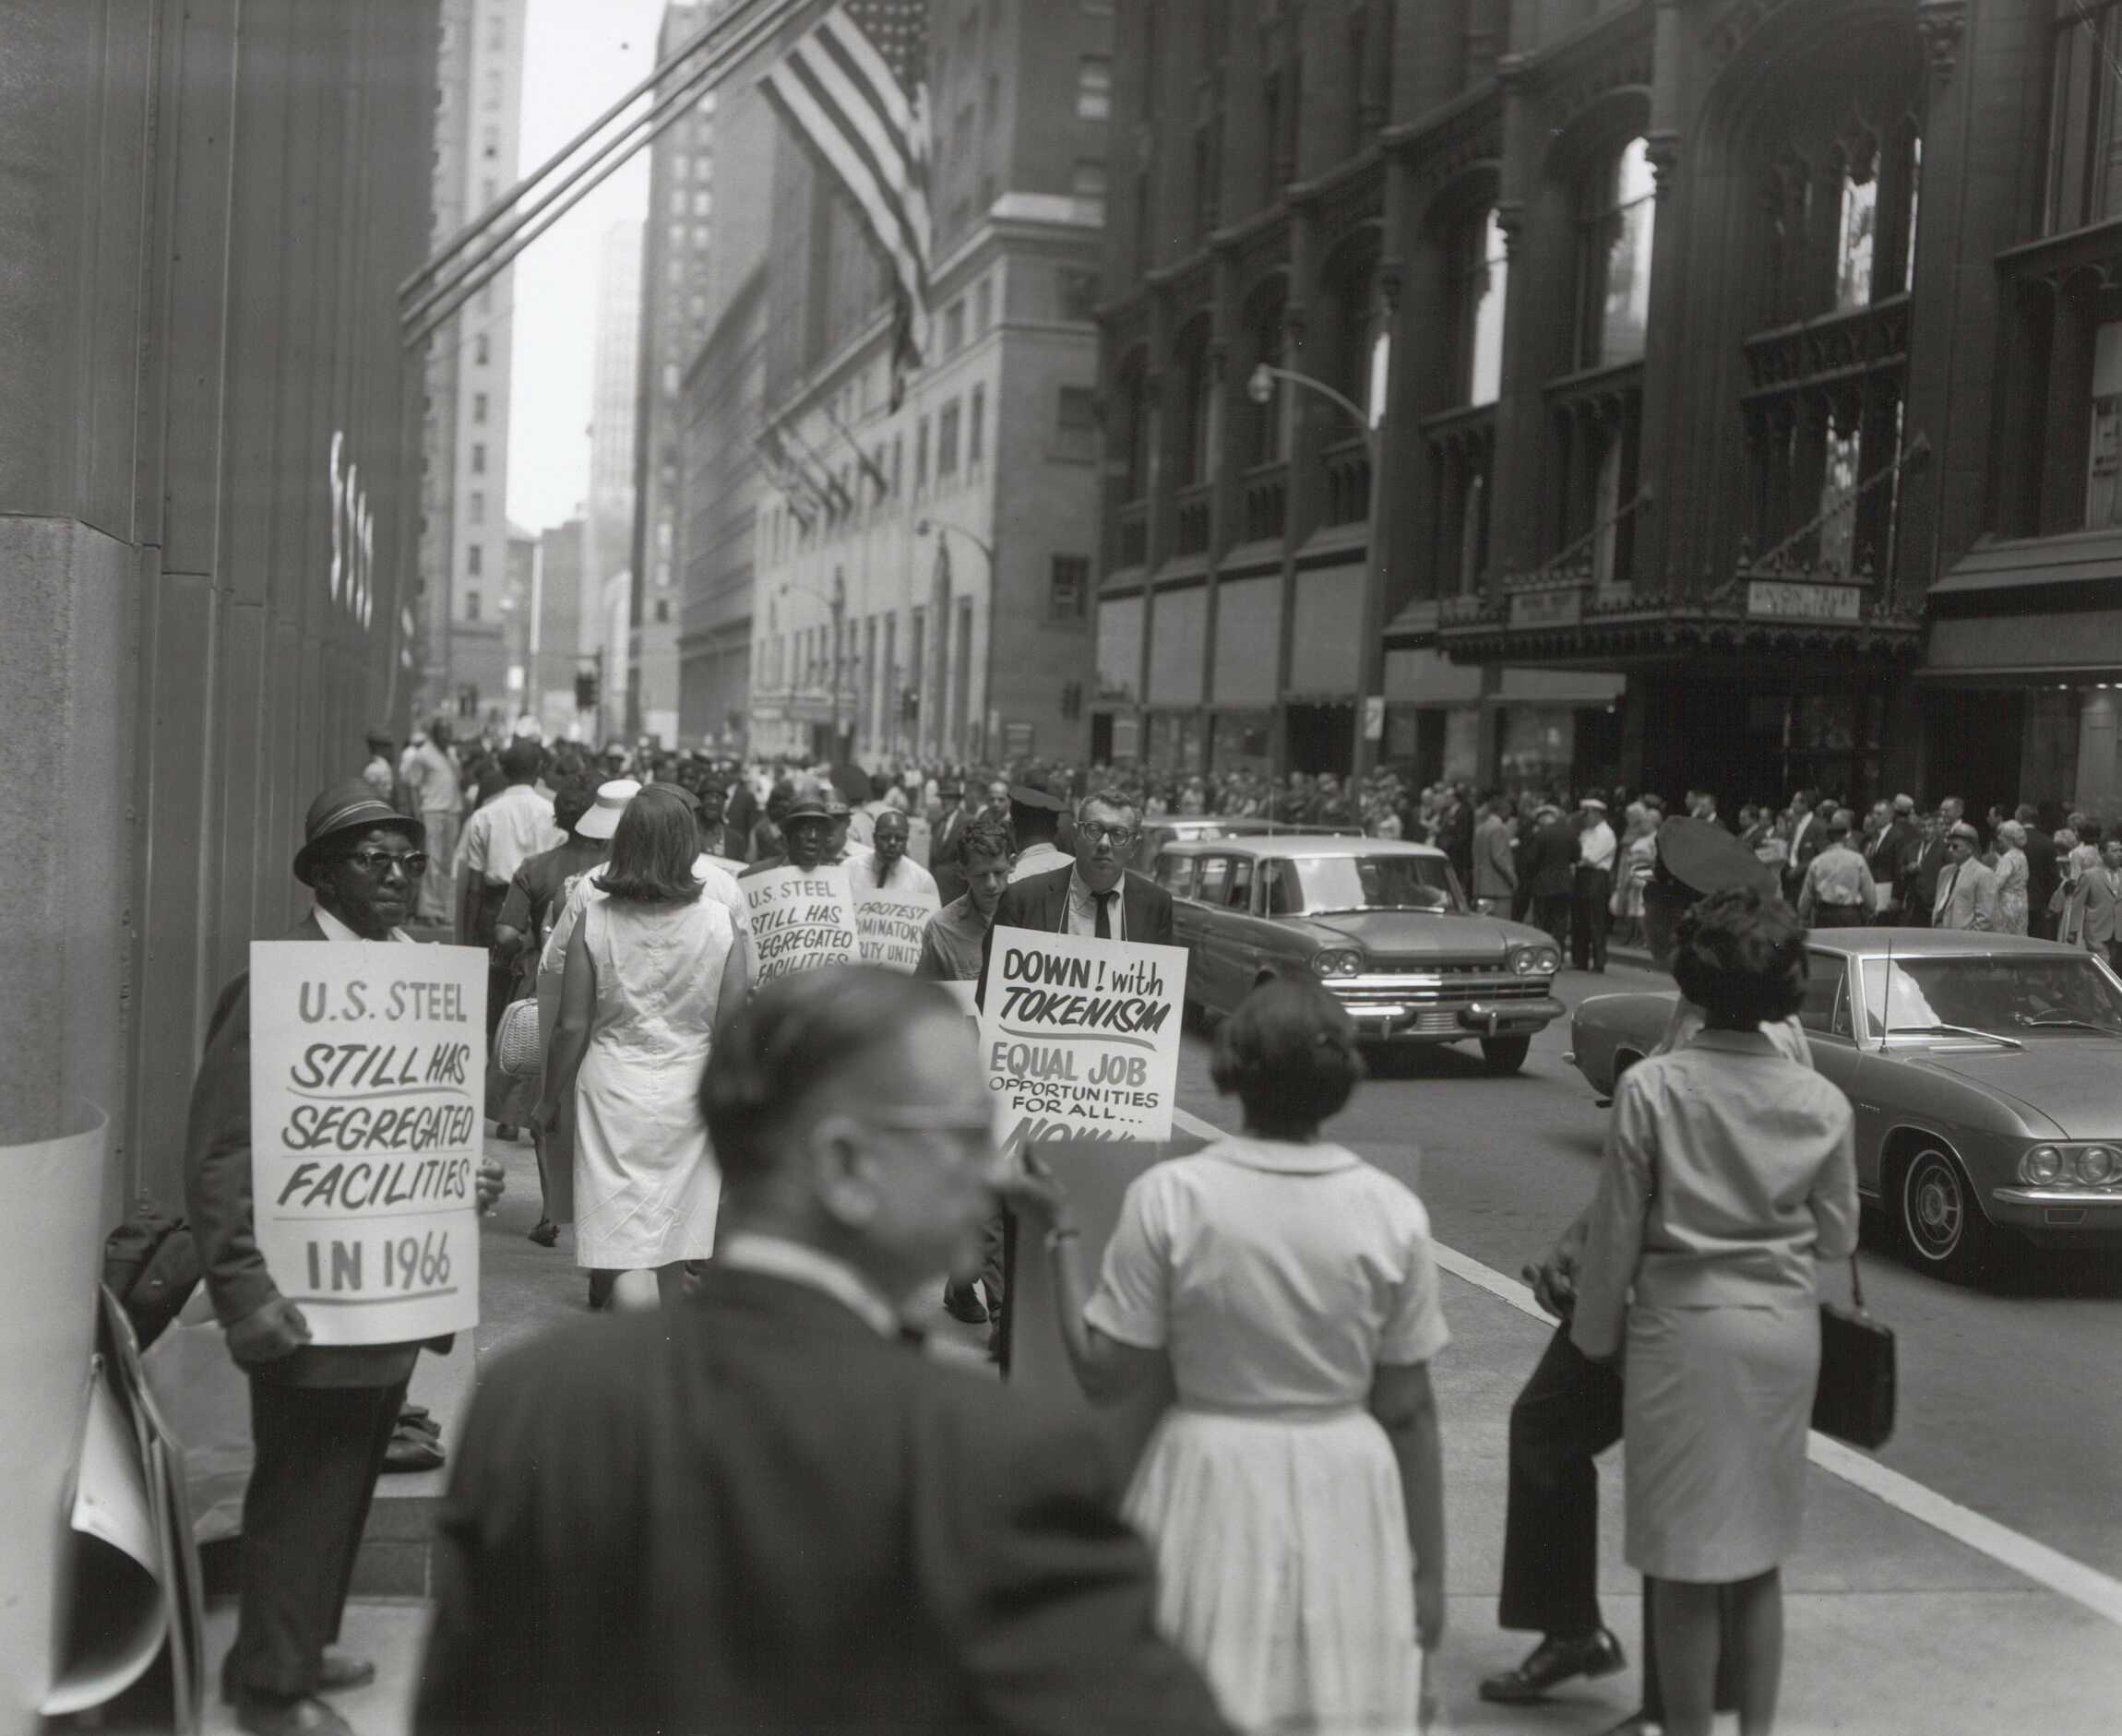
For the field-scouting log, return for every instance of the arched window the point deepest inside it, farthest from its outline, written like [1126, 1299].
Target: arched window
[1480, 268]
[1197, 454]
[1616, 217]
[1265, 342]
[1362, 355]
[1133, 407]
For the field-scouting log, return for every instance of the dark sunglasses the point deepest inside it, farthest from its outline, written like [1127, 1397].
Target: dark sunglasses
[376, 863]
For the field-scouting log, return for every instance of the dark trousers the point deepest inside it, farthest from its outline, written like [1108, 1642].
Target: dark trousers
[1588, 918]
[1551, 911]
[1568, 1413]
[1839, 916]
[319, 1449]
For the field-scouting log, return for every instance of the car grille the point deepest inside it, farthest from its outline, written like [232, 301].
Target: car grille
[1455, 988]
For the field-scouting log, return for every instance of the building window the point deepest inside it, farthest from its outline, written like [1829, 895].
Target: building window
[1617, 213]
[897, 470]
[2082, 187]
[1094, 89]
[478, 458]
[1076, 424]
[474, 559]
[475, 508]
[921, 455]
[1196, 453]
[946, 441]
[2104, 453]
[1152, 19]
[954, 327]
[993, 108]
[1205, 176]
[1068, 589]
[1138, 414]
[1076, 293]
[478, 407]
[976, 428]
[670, 379]
[490, 143]
[982, 307]
[1087, 193]
[471, 601]
[482, 350]
[703, 202]
[1267, 442]
[1480, 270]
[663, 611]
[1271, 137]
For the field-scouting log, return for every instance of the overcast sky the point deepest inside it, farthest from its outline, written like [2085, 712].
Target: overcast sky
[578, 56]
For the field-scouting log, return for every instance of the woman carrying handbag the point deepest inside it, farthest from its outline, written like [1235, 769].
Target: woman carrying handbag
[1729, 1175]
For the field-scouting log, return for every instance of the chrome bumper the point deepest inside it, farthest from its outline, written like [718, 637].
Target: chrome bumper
[1379, 1013]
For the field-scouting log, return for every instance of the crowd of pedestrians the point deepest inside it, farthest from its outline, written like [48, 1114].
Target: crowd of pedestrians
[761, 1174]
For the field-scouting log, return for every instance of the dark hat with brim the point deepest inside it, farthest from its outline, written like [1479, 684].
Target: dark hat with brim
[1699, 857]
[808, 808]
[353, 806]
[1040, 799]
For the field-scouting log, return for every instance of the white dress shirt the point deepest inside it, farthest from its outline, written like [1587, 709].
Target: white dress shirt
[496, 840]
[336, 930]
[1596, 848]
[1083, 910]
[1041, 858]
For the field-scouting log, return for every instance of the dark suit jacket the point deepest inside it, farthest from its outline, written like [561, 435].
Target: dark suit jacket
[1925, 862]
[218, 1202]
[750, 1512]
[2042, 872]
[1547, 868]
[1042, 902]
[943, 864]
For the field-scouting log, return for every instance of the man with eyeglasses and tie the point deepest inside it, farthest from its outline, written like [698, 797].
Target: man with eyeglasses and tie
[1094, 894]
[322, 1417]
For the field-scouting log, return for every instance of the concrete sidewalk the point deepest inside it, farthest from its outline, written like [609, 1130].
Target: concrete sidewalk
[1893, 1628]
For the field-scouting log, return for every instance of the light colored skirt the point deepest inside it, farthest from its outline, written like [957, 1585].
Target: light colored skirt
[647, 1186]
[1282, 1567]
[1717, 1402]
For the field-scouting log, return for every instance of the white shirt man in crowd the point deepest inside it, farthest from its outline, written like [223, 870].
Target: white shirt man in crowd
[890, 867]
[1593, 888]
[1839, 890]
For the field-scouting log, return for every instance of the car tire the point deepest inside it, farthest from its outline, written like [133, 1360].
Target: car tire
[1505, 1054]
[1938, 1221]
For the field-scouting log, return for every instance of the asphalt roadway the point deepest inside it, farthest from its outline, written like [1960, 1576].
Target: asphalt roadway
[2010, 1398]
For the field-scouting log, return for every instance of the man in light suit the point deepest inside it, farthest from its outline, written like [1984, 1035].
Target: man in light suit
[1966, 889]
[1494, 859]
[2102, 893]
[1094, 896]
[762, 1510]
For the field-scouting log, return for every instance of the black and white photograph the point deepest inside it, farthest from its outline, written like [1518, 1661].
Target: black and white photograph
[1061, 867]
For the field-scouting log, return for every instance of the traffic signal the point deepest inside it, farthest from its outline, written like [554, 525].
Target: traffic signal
[585, 690]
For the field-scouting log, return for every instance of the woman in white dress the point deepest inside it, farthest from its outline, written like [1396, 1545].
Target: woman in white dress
[653, 968]
[1293, 1496]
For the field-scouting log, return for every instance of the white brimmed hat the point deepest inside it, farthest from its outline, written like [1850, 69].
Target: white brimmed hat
[603, 818]
[1592, 801]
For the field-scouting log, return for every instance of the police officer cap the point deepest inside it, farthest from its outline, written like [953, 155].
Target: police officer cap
[1698, 857]
[1036, 797]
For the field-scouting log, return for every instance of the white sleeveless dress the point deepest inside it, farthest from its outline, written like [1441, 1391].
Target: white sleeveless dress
[646, 1184]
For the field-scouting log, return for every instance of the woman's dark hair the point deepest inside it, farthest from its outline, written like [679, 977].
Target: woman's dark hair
[652, 852]
[792, 1037]
[1741, 958]
[574, 798]
[985, 836]
[1289, 1055]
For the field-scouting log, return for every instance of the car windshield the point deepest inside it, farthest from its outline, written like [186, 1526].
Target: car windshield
[1373, 883]
[2008, 995]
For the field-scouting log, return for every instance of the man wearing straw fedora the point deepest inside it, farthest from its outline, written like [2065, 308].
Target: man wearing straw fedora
[321, 1416]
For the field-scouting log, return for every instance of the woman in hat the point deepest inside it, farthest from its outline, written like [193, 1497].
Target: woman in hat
[1729, 1175]
[652, 967]
[1287, 1290]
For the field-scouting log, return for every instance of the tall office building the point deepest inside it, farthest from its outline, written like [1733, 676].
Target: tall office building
[464, 565]
[614, 398]
[673, 324]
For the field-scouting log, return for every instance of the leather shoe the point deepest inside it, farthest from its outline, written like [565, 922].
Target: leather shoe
[962, 1302]
[1552, 1662]
[340, 1672]
[305, 1716]
[1636, 1724]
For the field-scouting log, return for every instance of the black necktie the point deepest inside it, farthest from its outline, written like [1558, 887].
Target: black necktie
[1104, 927]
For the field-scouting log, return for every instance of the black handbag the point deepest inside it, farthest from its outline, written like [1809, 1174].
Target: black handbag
[1854, 1399]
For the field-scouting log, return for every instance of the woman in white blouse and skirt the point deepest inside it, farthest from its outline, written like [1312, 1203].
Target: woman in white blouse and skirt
[1287, 1289]
[1729, 1175]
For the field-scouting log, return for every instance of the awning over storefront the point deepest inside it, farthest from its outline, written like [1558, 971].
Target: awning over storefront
[2026, 611]
[2022, 564]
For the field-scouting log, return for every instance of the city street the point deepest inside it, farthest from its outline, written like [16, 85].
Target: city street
[2009, 1403]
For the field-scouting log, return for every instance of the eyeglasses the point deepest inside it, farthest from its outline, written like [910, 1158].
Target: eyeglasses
[973, 1133]
[376, 863]
[1119, 837]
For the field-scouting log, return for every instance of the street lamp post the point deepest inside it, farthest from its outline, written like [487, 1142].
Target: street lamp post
[1260, 389]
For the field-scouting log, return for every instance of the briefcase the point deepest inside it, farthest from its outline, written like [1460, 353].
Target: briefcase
[1854, 1399]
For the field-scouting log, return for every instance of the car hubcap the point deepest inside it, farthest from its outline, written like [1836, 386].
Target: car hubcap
[1936, 1211]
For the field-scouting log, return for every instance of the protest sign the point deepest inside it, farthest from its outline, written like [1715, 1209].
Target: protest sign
[368, 1064]
[801, 919]
[890, 920]
[1080, 1037]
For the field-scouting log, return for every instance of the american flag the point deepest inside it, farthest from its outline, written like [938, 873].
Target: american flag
[855, 88]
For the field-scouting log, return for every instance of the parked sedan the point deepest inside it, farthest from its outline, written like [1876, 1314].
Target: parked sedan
[1160, 829]
[1382, 924]
[1985, 1072]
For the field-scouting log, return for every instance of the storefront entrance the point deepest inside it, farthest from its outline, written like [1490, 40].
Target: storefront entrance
[1747, 744]
[1322, 738]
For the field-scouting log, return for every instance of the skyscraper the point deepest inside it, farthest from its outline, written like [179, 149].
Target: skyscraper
[673, 324]
[464, 549]
[614, 398]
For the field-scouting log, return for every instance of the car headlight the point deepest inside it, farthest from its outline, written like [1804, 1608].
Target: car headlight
[2096, 1165]
[2041, 1166]
[1535, 961]
[1337, 962]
